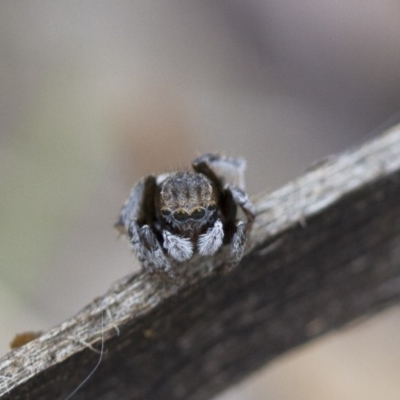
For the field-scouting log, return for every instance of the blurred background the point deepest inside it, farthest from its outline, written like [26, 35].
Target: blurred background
[94, 94]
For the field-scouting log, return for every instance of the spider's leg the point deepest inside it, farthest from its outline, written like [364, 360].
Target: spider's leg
[212, 240]
[242, 200]
[139, 206]
[138, 246]
[237, 230]
[238, 244]
[148, 249]
[136, 220]
[178, 247]
[221, 169]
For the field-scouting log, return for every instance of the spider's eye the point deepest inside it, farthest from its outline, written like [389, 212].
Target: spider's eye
[181, 215]
[198, 213]
[213, 207]
[165, 213]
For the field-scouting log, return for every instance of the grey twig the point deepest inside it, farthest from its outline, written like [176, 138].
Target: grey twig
[324, 250]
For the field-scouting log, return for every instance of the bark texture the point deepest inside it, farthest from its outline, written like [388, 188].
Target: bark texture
[325, 250]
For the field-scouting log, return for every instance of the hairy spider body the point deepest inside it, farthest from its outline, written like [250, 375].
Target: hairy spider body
[177, 214]
[187, 203]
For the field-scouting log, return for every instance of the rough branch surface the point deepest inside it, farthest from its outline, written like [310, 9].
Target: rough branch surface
[325, 250]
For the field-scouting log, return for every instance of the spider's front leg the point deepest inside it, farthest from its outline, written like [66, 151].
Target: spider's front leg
[178, 247]
[238, 197]
[238, 244]
[221, 169]
[227, 174]
[241, 199]
[148, 249]
[136, 220]
[212, 240]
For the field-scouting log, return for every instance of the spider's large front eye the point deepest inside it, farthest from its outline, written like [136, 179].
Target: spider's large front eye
[198, 213]
[181, 215]
[165, 213]
[212, 207]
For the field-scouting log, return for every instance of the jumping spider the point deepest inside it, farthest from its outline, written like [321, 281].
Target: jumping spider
[175, 214]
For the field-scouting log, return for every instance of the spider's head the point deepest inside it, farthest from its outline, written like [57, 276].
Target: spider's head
[188, 202]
